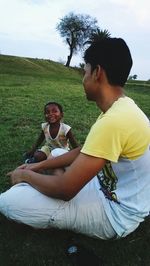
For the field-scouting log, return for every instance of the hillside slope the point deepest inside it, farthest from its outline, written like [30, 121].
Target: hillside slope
[36, 67]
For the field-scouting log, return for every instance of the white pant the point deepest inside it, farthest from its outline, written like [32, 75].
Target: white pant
[84, 213]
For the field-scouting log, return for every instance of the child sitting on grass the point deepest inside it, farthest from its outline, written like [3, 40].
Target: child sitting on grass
[54, 132]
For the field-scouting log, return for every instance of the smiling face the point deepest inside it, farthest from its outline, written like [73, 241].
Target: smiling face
[53, 114]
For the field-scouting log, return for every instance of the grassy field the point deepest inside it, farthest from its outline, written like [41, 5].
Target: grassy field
[25, 86]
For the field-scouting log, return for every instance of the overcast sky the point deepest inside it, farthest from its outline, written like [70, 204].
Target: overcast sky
[28, 28]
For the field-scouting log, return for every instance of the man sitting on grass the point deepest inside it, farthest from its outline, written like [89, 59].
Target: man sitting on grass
[105, 191]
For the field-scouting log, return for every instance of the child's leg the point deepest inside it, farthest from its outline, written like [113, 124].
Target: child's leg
[39, 156]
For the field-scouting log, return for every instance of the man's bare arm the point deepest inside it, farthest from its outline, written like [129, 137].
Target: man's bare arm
[64, 186]
[52, 163]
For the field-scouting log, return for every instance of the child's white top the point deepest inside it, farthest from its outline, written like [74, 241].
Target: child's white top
[60, 141]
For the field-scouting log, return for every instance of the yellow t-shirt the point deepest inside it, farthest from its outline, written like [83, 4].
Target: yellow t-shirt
[122, 137]
[123, 131]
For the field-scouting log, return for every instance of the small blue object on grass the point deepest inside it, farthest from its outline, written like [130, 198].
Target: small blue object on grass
[80, 256]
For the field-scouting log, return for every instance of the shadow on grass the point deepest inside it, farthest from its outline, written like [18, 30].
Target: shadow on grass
[21, 245]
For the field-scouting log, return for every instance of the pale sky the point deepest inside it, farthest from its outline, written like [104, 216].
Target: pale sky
[28, 28]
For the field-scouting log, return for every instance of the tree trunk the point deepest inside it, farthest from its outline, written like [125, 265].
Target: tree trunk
[68, 61]
[69, 58]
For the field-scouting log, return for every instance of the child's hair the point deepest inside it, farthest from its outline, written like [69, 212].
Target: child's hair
[57, 104]
[113, 55]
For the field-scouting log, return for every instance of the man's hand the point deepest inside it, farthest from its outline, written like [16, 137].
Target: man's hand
[32, 166]
[17, 176]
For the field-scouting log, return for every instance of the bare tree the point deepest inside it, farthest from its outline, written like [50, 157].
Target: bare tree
[76, 29]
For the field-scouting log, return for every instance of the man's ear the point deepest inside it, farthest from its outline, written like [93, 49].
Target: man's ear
[98, 71]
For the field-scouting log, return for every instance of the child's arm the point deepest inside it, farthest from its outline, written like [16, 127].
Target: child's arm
[36, 145]
[72, 139]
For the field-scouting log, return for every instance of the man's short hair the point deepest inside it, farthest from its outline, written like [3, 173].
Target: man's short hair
[114, 56]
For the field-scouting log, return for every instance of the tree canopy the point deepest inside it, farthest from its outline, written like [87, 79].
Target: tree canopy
[75, 29]
[133, 77]
[98, 35]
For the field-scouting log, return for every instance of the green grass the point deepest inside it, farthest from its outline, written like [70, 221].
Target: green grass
[25, 86]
